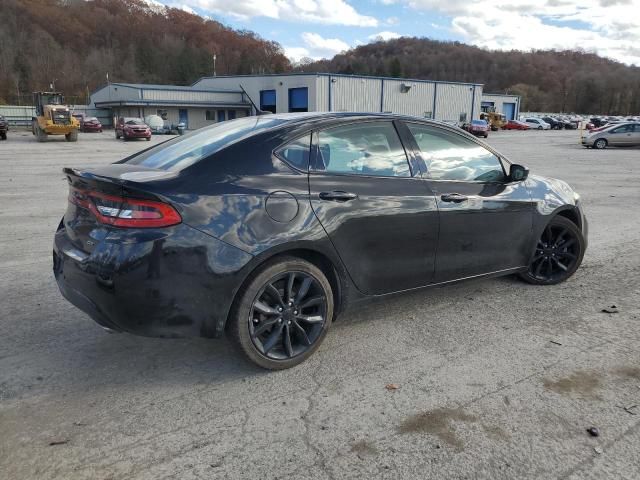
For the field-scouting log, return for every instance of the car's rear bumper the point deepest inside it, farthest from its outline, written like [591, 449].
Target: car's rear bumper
[170, 282]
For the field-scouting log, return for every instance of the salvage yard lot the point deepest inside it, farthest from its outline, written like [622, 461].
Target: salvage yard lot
[496, 379]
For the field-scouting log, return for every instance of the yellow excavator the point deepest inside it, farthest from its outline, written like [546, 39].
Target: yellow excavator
[53, 117]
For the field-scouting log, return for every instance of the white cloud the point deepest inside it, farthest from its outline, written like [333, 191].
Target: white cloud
[329, 12]
[392, 21]
[383, 36]
[608, 27]
[316, 47]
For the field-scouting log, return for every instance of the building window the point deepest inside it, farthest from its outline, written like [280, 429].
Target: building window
[231, 114]
[268, 101]
[221, 116]
[299, 99]
[210, 115]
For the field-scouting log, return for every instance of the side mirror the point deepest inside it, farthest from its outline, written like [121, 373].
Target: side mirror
[518, 173]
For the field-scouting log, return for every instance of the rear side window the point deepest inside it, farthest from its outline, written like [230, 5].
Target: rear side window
[184, 151]
[449, 156]
[371, 148]
[296, 153]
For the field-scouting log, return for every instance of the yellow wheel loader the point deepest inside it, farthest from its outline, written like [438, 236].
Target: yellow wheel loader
[53, 117]
[495, 120]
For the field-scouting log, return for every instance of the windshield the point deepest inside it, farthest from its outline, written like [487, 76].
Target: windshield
[479, 122]
[133, 121]
[186, 150]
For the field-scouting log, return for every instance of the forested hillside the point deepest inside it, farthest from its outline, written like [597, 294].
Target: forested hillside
[75, 43]
[548, 81]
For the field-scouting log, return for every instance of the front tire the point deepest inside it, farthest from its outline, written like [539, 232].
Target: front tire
[600, 144]
[283, 314]
[71, 136]
[558, 254]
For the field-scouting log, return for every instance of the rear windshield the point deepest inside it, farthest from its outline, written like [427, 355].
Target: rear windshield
[181, 152]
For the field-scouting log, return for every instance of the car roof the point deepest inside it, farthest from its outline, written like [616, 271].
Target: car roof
[288, 120]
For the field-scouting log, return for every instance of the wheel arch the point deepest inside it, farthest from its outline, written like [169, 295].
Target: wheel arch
[331, 267]
[570, 213]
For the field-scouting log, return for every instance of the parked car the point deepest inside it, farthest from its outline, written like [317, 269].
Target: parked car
[537, 123]
[4, 128]
[516, 125]
[479, 128]
[157, 125]
[268, 227]
[568, 124]
[555, 124]
[132, 127]
[618, 135]
[90, 124]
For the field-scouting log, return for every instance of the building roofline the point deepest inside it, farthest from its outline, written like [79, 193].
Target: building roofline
[167, 103]
[324, 74]
[499, 95]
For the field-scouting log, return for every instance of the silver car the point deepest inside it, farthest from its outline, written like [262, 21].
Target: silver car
[619, 135]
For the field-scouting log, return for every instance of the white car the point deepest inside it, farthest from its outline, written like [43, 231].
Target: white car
[537, 123]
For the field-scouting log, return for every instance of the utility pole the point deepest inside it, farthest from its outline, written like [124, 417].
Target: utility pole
[214, 64]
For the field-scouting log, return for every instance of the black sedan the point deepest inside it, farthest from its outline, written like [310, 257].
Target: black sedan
[268, 227]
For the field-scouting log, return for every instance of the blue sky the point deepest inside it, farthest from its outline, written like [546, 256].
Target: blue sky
[322, 28]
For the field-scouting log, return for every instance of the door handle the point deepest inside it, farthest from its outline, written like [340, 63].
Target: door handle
[453, 197]
[338, 196]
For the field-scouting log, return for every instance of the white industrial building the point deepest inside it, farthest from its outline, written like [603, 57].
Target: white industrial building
[214, 99]
[509, 105]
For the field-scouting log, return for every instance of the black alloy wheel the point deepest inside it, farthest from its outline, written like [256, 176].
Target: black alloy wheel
[558, 254]
[284, 314]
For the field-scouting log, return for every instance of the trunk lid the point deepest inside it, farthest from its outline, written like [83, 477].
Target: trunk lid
[99, 197]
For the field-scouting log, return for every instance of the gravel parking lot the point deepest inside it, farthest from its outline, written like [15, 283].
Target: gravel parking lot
[496, 379]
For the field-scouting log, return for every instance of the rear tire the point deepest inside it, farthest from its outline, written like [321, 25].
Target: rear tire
[71, 136]
[283, 313]
[3, 136]
[41, 135]
[117, 135]
[558, 254]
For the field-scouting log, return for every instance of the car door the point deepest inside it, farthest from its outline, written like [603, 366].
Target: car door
[486, 220]
[635, 139]
[378, 213]
[621, 136]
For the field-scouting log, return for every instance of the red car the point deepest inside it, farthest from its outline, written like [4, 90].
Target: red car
[515, 125]
[90, 124]
[132, 127]
[479, 128]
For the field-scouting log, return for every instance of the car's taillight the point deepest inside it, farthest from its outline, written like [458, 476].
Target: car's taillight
[125, 212]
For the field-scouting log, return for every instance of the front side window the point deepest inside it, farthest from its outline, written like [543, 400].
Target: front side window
[296, 153]
[371, 148]
[449, 156]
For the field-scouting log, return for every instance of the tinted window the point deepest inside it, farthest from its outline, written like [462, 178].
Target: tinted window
[296, 153]
[186, 150]
[452, 157]
[623, 129]
[371, 148]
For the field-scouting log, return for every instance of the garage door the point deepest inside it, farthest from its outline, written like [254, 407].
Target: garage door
[509, 110]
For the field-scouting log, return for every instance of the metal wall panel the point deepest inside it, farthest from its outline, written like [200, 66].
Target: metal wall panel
[417, 100]
[452, 100]
[280, 83]
[190, 96]
[114, 92]
[499, 101]
[355, 94]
